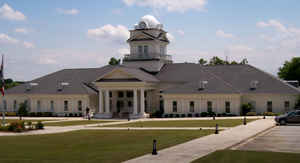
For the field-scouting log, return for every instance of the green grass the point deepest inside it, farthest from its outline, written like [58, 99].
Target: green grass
[185, 123]
[89, 146]
[232, 156]
[73, 123]
[26, 120]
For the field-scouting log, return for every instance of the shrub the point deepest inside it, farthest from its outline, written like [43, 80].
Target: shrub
[190, 115]
[166, 115]
[32, 114]
[29, 124]
[71, 115]
[47, 114]
[251, 114]
[204, 114]
[270, 114]
[39, 114]
[246, 108]
[211, 114]
[171, 115]
[11, 114]
[39, 125]
[156, 114]
[80, 114]
[183, 115]
[177, 115]
[17, 126]
[197, 115]
[22, 110]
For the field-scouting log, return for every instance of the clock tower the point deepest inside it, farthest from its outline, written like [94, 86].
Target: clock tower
[148, 46]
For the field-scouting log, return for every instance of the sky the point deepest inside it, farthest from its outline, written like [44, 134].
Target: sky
[41, 37]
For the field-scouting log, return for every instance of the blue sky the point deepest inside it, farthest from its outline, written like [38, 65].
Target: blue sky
[40, 37]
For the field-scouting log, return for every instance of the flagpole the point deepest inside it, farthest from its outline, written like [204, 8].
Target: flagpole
[3, 111]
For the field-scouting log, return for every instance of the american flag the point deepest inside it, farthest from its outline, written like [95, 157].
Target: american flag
[2, 77]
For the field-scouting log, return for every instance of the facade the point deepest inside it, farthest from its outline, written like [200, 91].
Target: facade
[148, 81]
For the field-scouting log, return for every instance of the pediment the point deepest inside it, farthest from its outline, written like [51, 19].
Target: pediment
[141, 36]
[117, 75]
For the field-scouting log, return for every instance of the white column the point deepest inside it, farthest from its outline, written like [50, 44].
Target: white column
[142, 102]
[134, 101]
[100, 101]
[107, 108]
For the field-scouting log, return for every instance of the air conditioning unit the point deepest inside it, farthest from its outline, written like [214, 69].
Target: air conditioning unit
[253, 84]
[30, 85]
[61, 85]
[201, 84]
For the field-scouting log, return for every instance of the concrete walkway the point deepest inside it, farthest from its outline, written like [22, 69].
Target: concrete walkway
[200, 147]
[155, 128]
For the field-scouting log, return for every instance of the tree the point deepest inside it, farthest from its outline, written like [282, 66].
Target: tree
[22, 110]
[290, 70]
[216, 61]
[202, 61]
[114, 61]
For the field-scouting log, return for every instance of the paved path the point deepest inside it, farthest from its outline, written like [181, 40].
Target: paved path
[200, 147]
[155, 128]
[278, 139]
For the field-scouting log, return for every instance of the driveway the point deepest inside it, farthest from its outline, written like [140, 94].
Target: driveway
[278, 139]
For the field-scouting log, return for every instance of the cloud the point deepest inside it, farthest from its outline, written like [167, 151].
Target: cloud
[272, 23]
[4, 38]
[239, 48]
[221, 33]
[28, 45]
[6, 12]
[169, 5]
[109, 32]
[180, 32]
[22, 30]
[72, 11]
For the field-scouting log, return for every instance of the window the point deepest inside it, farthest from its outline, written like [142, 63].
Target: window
[120, 94]
[174, 106]
[209, 106]
[145, 94]
[129, 104]
[110, 94]
[15, 105]
[146, 49]
[66, 106]
[28, 105]
[79, 105]
[269, 106]
[192, 106]
[38, 106]
[286, 105]
[162, 49]
[140, 50]
[51, 106]
[129, 93]
[4, 105]
[227, 107]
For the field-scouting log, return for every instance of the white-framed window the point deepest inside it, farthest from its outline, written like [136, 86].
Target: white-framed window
[162, 49]
[209, 106]
[140, 50]
[4, 105]
[227, 107]
[66, 105]
[38, 105]
[287, 105]
[15, 107]
[175, 106]
[192, 106]
[146, 49]
[52, 106]
[269, 106]
[79, 105]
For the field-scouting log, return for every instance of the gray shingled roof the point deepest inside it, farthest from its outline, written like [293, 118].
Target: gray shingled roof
[80, 80]
[221, 78]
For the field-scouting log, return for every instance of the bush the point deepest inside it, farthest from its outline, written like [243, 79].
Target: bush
[211, 114]
[11, 114]
[190, 115]
[47, 114]
[32, 114]
[17, 126]
[80, 114]
[177, 115]
[204, 114]
[39, 125]
[270, 114]
[197, 115]
[22, 110]
[166, 115]
[171, 115]
[29, 124]
[183, 115]
[246, 108]
[39, 114]
[251, 114]
[156, 114]
[71, 115]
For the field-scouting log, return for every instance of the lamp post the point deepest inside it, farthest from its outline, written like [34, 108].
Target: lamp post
[217, 129]
[154, 150]
[245, 121]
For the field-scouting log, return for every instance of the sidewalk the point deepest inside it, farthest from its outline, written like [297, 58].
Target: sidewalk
[200, 147]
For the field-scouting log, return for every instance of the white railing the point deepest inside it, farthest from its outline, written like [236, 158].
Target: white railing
[129, 57]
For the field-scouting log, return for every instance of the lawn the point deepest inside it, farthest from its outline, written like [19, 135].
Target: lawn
[26, 120]
[90, 146]
[232, 156]
[73, 123]
[185, 123]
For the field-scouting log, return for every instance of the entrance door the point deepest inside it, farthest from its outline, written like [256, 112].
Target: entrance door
[120, 105]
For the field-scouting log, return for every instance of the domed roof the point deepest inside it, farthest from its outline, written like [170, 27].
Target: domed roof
[149, 21]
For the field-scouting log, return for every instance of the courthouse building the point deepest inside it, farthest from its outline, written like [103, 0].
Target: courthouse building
[148, 80]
